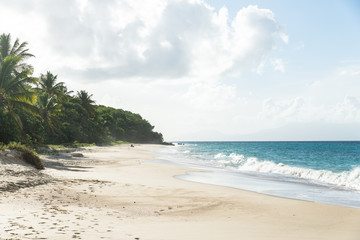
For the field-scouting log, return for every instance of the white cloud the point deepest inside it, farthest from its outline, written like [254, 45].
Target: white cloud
[284, 37]
[302, 109]
[102, 40]
[214, 96]
[254, 36]
[300, 46]
[349, 71]
[346, 111]
[278, 65]
[127, 50]
[282, 109]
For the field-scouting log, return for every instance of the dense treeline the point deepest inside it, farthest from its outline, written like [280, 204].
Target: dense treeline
[41, 110]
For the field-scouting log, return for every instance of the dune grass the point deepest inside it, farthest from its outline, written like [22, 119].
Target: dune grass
[27, 154]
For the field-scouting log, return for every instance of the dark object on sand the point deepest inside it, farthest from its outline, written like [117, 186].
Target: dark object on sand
[77, 155]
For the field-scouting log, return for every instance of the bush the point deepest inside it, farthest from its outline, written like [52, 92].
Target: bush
[27, 154]
[8, 129]
[119, 142]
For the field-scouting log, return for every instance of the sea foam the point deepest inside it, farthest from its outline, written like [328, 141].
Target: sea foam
[349, 180]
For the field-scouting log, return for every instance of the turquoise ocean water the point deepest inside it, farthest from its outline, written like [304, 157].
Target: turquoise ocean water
[327, 172]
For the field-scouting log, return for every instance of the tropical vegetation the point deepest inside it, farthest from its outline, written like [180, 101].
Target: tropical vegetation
[41, 110]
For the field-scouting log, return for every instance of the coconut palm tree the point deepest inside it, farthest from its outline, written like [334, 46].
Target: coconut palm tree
[48, 109]
[15, 90]
[65, 92]
[52, 95]
[48, 84]
[86, 102]
[16, 49]
[15, 78]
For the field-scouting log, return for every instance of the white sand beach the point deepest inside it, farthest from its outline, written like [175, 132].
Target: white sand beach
[119, 193]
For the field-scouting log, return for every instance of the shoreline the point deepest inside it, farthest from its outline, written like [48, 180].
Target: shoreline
[278, 188]
[226, 165]
[120, 193]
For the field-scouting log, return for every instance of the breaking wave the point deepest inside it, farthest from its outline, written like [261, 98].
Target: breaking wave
[349, 180]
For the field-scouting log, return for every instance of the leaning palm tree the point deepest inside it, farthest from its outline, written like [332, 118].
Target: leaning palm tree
[86, 102]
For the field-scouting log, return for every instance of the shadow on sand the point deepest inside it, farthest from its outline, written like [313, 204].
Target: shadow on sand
[65, 162]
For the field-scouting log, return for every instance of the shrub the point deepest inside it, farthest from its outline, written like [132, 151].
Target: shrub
[119, 142]
[27, 154]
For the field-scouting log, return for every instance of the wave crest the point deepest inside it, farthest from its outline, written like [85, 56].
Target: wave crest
[346, 179]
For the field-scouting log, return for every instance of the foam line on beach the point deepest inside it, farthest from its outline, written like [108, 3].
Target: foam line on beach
[349, 180]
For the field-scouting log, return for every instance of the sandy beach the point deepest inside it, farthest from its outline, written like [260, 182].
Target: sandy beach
[120, 193]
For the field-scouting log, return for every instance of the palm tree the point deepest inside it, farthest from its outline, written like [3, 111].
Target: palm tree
[65, 92]
[49, 85]
[16, 49]
[86, 102]
[52, 95]
[15, 89]
[15, 80]
[48, 110]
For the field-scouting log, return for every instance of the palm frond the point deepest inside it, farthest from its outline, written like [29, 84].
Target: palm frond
[5, 40]
[17, 119]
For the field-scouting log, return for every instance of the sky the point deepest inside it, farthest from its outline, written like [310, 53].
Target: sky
[205, 69]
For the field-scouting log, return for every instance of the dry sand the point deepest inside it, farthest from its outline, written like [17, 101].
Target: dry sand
[119, 193]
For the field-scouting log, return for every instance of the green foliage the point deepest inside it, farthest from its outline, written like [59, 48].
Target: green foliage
[84, 99]
[34, 130]
[27, 154]
[47, 84]
[15, 82]
[76, 144]
[119, 142]
[127, 126]
[8, 129]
